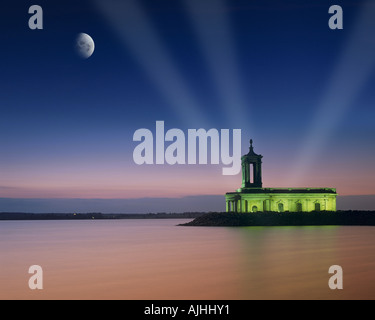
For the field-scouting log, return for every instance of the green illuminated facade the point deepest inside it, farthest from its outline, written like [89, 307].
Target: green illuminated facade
[252, 197]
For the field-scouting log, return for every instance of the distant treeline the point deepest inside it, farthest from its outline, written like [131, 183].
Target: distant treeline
[95, 215]
[218, 218]
[352, 218]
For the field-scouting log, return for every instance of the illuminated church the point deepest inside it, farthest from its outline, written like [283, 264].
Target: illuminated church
[252, 197]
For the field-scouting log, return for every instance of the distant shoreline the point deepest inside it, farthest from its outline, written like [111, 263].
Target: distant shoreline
[348, 218]
[95, 216]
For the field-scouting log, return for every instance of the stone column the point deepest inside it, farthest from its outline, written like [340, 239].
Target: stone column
[243, 175]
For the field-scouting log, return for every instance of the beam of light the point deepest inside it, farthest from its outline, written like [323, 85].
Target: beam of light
[131, 24]
[353, 69]
[211, 24]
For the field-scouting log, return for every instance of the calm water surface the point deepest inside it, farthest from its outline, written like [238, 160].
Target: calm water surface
[155, 259]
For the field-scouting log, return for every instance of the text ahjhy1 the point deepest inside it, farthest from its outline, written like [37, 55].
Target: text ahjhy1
[176, 152]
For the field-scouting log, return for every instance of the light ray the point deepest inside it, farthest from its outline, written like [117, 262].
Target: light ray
[135, 31]
[354, 67]
[211, 24]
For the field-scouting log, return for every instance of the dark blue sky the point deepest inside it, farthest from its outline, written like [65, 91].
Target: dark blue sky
[284, 53]
[266, 67]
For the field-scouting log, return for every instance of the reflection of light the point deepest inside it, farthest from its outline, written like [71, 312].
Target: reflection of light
[211, 25]
[129, 21]
[353, 69]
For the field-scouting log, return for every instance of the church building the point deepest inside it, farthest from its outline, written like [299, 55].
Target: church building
[252, 197]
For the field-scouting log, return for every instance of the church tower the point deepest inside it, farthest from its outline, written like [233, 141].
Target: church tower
[251, 169]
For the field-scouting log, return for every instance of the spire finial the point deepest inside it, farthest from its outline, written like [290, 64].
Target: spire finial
[251, 142]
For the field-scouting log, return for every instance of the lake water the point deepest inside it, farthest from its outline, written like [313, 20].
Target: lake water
[155, 259]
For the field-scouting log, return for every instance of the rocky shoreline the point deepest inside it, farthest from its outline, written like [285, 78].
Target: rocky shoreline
[348, 218]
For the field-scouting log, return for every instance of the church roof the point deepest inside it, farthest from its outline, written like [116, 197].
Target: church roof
[284, 190]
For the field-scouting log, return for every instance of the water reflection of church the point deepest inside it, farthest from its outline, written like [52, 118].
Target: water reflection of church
[251, 197]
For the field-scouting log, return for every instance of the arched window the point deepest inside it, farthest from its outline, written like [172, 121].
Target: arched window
[254, 208]
[281, 207]
[299, 207]
[317, 206]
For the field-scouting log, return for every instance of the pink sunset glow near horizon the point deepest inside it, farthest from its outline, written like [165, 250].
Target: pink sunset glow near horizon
[166, 181]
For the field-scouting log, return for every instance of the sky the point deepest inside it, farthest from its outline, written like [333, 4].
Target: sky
[274, 69]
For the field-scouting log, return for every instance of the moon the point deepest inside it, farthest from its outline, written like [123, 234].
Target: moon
[85, 46]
